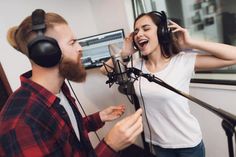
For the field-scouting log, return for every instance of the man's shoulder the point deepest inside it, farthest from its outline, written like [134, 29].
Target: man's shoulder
[15, 104]
[22, 107]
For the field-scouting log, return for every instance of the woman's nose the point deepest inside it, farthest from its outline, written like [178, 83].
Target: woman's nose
[139, 34]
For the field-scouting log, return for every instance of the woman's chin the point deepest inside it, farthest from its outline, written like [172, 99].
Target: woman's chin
[145, 53]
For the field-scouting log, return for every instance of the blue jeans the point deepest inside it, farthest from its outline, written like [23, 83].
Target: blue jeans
[197, 151]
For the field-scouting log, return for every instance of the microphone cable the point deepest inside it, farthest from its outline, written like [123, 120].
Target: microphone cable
[81, 107]
[144, 107]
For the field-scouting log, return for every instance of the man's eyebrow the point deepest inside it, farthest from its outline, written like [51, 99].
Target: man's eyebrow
[74, 40]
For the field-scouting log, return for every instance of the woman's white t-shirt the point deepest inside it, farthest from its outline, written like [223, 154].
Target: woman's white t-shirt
[171, 123]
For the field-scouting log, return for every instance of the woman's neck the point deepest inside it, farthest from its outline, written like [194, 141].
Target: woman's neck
[156, 62]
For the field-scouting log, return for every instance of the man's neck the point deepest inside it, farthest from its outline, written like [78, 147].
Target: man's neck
[48, 78]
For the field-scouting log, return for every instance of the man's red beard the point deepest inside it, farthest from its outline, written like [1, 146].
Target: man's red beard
[73, 71]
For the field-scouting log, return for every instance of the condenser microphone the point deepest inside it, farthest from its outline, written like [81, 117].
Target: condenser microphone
[120, 70]
[119, 67]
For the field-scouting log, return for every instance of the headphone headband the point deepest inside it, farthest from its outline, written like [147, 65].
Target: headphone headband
[38, 20]
[162, 16]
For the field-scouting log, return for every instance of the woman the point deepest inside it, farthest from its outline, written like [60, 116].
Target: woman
[170, 127]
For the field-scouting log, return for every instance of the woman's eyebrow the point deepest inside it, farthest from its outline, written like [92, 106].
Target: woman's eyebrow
[143, 26]
[146, 25]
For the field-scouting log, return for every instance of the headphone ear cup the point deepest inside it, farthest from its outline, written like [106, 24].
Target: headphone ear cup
[164, 33]
[44, 51]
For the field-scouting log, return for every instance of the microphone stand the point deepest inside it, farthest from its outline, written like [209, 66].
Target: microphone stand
[228, 119]
[135, 101]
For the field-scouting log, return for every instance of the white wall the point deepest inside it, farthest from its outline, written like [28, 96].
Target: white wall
[110, 15]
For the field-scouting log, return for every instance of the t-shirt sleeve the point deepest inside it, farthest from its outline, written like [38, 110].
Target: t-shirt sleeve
[188, 60]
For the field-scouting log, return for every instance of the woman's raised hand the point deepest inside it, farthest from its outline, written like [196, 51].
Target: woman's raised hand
[128, 46]
[181, 34]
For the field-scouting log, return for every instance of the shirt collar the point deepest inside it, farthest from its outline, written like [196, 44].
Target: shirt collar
[45, 95]
[39, 91]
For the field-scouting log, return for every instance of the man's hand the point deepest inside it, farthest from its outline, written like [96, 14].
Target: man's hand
[125, 132]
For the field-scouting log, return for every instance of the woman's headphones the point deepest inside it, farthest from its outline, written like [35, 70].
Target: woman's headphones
[43, 50]
[163, 33]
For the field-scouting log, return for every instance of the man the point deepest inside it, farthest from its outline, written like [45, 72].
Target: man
[41, 118]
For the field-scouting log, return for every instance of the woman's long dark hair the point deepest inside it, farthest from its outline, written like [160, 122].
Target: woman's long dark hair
[168, 49]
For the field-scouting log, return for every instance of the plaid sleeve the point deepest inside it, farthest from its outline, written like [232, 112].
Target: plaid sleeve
[22, 143]
[27, 138]
[27, 141]
[93, 122]
[103, 150]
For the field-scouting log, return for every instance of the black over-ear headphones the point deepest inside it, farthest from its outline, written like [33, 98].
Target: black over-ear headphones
[43, 50]
[163, 33]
